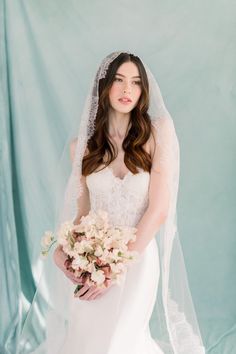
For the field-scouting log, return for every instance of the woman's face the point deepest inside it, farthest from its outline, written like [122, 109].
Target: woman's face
[126, 88]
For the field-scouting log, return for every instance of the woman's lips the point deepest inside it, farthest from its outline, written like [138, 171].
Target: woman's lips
[125, 101]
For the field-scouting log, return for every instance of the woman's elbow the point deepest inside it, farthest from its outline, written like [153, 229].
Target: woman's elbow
[159, 215]
[162, 216]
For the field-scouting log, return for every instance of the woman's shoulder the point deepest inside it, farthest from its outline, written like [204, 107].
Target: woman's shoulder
[162, 124]
[157, 126]
[73, 145]
[151, 143]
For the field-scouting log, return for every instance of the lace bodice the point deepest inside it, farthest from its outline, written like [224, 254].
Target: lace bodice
[125, 199]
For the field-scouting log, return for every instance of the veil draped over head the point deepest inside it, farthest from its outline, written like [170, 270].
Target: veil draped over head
[176, 326]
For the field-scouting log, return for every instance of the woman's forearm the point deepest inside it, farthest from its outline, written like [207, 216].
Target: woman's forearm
[147, 228]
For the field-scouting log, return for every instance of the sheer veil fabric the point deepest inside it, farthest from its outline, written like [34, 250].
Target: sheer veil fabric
[177, 329]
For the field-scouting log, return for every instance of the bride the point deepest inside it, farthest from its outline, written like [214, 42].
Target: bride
[125, 160]
[123, 97]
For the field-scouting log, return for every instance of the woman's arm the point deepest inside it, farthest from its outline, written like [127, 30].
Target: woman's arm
[83, 200]
[159, 194]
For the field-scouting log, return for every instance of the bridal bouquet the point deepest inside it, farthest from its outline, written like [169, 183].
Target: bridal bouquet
[96, 250]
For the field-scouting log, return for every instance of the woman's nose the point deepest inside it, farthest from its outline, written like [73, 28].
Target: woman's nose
[127, 89]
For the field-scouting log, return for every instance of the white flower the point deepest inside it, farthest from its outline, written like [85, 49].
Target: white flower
[99, 251]
[105, 257]
[90, 232]
[100, 234]
[91, 267]
[107, 242]
[134, 256]
[67, 249]
[98, 276]
[80, 228]
[83, 246]
[102, 220]
[117, 267]
[43, 255]
[66, 227]
[80, 262]
[47, 239]
[114, 255]
[64, 232]
[70, 252]
[88, 219]
[119, 244]
[116, 234]
[62, 239]
[129, 233]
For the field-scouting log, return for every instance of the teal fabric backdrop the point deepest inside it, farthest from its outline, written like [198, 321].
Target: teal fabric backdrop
[49, 53]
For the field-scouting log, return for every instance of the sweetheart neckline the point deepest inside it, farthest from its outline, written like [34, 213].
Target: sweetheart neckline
[112, 172]
[121, 180]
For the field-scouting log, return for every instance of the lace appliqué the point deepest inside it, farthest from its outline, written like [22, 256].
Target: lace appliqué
[124, 199]
[185, 341]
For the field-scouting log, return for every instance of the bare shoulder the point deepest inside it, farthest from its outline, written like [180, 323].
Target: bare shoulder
[162, 128]
[73, 145]
[162, 125]
[151, 143]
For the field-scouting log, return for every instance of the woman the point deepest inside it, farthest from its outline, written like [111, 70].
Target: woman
[125, 160]
[122, 99]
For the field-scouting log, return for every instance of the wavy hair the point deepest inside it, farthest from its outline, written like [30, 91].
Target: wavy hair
[140, 125]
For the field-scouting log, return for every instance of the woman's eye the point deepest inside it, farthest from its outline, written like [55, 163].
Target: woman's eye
[119, 79]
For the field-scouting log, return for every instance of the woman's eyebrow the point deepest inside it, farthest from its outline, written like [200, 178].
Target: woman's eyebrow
[125, 76]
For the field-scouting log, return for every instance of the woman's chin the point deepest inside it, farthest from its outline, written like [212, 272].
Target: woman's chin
[123, 109]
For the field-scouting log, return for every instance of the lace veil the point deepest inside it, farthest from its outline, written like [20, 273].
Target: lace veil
[176, 326]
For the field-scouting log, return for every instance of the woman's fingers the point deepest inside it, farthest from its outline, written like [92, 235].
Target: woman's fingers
[100, 292]
[73, 278]
[95, 294]
[108, 282]
[87, 292]
[63, 263]
[59, 257]
[92, 292]
[82, 291]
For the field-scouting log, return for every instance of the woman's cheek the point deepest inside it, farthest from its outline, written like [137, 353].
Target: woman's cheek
[114, 92]
[137, 97]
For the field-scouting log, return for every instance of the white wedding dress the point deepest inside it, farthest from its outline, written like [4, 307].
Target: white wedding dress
[94, 326]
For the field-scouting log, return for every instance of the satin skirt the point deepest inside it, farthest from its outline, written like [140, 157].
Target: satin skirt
[118, 322]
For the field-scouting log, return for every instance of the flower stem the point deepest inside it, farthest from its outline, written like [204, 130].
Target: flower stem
[78, 287]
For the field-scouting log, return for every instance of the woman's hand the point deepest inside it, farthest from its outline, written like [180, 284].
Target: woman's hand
[93, 292]
[86, 292]
[59, 259]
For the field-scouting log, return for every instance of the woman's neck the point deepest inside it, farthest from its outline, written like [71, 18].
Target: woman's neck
[118, 124]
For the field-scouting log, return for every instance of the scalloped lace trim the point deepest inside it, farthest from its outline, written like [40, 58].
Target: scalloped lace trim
[184, 340]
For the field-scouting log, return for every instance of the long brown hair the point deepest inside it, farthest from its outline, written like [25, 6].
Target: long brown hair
[140, 125]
